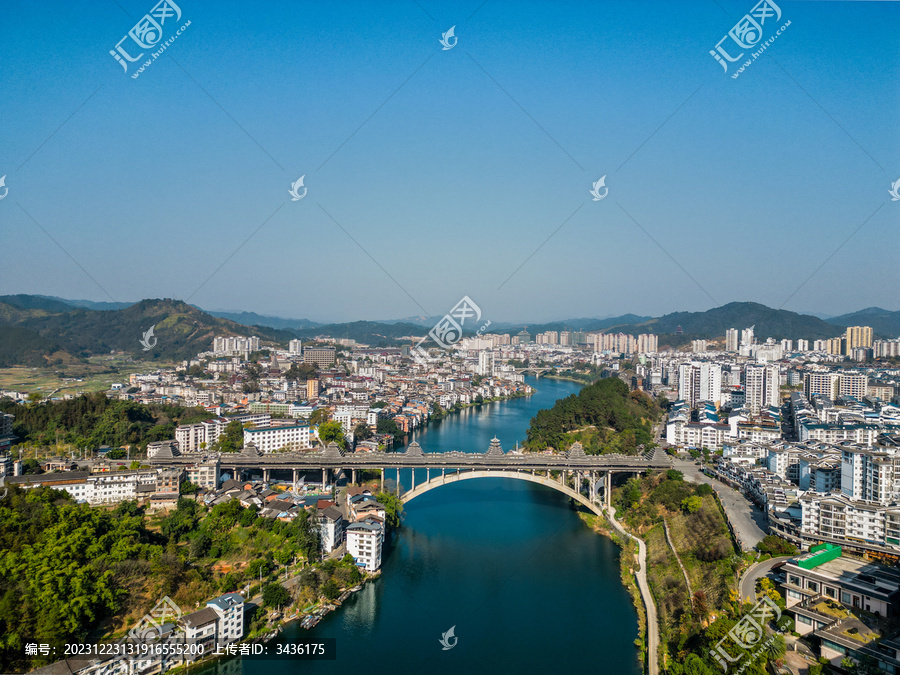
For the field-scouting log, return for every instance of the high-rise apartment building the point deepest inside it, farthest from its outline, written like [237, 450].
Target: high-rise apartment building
[731, 340]
[858, 336]
[834, 345]
[647, 343]
[761, 387]
[711, 383]
[821, 384]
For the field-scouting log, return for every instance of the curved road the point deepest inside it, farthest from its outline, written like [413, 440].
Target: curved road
[756, 572]
[649, 604]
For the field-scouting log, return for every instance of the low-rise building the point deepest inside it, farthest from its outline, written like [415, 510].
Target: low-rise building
[852, 582]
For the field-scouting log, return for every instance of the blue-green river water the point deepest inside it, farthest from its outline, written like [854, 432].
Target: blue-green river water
[528, 587]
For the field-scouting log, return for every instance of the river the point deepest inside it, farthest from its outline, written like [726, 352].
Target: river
[528, 587]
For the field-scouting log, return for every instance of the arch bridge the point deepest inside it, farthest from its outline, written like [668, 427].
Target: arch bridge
[585, 478]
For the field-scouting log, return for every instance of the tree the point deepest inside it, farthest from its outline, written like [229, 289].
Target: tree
[386, 426]
[318, 416]
[30, 466]
[200, 544]
[332, 431]
[393, 508]
[691, 504]
[776, 647]
[301, 371]
[189, 488]
[631, 494]
[248, 516]
[362, 431]
[233, 438]
[776, 546]
[330, 589]
[275, 595]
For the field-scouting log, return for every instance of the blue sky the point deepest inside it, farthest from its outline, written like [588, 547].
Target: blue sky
[434, 174]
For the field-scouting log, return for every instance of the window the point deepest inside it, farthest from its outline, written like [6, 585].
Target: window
[803, 619]
[845, 597]
[794, 580]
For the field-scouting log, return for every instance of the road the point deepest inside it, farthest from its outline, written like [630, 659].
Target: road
[748, 521]
[756, 572]
[649, 604]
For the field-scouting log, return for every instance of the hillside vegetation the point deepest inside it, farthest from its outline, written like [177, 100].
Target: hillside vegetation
[72, 573]
[605, 417]
[697, 600]
[53, 333]
[92, 420]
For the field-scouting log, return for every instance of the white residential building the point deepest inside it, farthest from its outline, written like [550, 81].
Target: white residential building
[331, 528]
[364, 544]
[230, 610]
[270, 439]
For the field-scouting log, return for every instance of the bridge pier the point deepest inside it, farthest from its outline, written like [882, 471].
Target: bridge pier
[607, 489]
[265, 475]
[382, 479]
[353, 476]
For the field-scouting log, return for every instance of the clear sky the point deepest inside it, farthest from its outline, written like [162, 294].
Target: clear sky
[434, 173]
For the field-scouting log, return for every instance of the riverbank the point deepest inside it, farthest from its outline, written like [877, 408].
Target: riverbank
[472, 554]
[494, 399]
[631, 552]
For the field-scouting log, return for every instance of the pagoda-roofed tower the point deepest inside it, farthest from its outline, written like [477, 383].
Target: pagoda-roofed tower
[495, 450]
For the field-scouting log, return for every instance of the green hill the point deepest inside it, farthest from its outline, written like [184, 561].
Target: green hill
[884, 323]
[604, 417]
[180, 330]
[776, 323]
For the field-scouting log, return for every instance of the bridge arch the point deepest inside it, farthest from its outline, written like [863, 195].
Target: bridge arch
[457, 476]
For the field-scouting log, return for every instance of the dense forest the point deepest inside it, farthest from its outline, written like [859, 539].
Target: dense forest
[92, 420]
[71, 573]
[604, 417]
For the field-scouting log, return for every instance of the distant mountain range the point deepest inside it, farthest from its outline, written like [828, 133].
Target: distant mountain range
[40, 330]
[254, 319]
